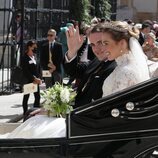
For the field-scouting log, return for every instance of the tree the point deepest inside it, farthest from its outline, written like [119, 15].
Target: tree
[102, 8]
[79, 10]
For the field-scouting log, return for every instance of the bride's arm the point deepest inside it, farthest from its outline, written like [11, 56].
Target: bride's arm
[32, 112]
[39, 111]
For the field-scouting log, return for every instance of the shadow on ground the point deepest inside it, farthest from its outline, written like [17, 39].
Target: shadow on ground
[8, 116]
[19, 105]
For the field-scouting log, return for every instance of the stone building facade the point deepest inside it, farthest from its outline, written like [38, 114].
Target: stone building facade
[137, 10]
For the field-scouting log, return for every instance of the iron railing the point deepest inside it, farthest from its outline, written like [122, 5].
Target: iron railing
[37, 16]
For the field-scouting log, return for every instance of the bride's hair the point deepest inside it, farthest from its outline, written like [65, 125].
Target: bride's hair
[120, 30]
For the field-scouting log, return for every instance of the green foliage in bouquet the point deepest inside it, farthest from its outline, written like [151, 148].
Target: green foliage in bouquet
[58, 100]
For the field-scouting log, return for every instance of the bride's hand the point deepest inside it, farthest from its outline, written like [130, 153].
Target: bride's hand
[74, 41]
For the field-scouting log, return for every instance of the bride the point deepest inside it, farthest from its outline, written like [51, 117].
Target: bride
[119, 43]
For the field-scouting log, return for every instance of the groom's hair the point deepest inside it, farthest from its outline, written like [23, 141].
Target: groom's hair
[96, 28]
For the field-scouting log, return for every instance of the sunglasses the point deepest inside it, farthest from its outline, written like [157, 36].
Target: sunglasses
[50, 35]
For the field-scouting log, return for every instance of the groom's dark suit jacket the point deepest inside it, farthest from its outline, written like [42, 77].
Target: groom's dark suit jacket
[92, 77]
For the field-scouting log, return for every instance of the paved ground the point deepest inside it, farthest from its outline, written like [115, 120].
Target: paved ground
[11, 106]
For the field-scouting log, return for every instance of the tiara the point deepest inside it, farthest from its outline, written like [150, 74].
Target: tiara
[112, 26]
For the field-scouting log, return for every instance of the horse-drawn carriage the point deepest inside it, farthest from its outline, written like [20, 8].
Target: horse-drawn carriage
[118, 126]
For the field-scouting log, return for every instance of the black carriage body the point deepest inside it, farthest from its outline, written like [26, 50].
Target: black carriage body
[104, 128]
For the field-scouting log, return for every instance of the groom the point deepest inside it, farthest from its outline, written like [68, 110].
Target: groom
[91, 75]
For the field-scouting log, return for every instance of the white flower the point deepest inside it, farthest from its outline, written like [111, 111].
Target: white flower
[58, 100]
[47, 107]
[54, 96]
[65, 95]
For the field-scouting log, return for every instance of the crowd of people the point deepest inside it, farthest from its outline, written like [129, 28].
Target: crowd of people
[123, 55]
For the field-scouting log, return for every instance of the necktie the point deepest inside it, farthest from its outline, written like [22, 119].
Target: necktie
[51, 46]
[50, 53]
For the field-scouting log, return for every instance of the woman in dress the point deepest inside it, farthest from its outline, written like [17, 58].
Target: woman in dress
[150, 48]
[151, 51]
[119, 44]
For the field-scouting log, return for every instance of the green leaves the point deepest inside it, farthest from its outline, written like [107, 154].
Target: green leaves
[58, 100]
[80, 10]
[102, 9]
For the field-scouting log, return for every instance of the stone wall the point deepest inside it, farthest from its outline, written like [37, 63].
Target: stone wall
[137, 10]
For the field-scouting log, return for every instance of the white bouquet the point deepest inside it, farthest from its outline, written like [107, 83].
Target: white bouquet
[58, 100]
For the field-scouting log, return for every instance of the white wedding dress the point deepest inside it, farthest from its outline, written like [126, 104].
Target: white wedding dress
[131, 69]
[40, 126]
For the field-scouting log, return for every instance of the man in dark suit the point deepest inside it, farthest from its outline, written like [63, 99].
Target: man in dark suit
[51, 58]
[146, 28]
[91, 75]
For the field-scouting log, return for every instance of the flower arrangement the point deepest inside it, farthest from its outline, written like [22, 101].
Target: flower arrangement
[58, 100]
